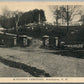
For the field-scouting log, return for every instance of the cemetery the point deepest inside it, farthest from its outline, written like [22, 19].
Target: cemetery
[42, 43]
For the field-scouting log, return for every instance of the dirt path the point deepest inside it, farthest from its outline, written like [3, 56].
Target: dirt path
[32, 61]
[14, 63]
[36, 43]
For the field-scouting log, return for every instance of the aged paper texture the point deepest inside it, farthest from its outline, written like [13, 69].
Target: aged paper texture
[41, 42]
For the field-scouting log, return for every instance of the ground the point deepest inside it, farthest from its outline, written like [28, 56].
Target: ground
[34, 61]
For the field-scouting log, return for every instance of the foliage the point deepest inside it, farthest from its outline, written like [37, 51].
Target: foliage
[21, 19]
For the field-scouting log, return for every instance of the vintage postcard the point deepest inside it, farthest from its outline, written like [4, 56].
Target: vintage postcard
[41, 42]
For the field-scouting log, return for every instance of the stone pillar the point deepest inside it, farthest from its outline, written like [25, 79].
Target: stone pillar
[22, 40]
[25, 41]
[45, 41]
[56, 41]
[14, 41]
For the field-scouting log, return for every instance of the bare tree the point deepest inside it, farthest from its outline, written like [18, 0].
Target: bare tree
[68, 12]
[17, 16]
[6, 13]
[56, 12]
[82, 19]
[57, 17]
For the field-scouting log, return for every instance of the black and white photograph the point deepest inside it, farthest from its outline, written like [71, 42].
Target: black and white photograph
[41, 40]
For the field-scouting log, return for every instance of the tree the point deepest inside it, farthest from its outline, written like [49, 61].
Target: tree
[65, 12]
[82, 19]
[6, 12]
[56, 13]
[68, 12]
[18, 19]
[17, 16]
[10, 19]
[36, 13]
[32, 16]
[7, 22]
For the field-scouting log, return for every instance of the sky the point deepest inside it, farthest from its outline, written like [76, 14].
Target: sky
[26, 6]
[22, 6]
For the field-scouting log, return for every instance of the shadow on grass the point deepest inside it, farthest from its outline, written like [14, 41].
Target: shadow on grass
[32, 70]
[71, 53]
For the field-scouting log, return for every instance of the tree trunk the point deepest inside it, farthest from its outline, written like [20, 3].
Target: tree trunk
[67, 26]
[67, 19]
[57, 21]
